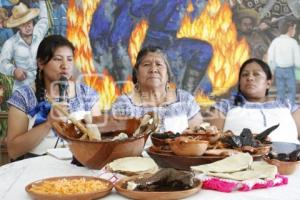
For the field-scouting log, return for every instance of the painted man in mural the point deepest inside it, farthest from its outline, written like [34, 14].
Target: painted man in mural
[269, 14]
[246, 21]
[112, 26]
[283, 57]
[60, 8]
[18, 53]
[5, 33]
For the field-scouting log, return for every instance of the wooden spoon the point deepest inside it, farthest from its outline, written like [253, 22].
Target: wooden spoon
[77, 123]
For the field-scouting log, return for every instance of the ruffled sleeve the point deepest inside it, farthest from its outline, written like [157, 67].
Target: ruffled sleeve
[23, 98]
[291, 107]
[224, 105]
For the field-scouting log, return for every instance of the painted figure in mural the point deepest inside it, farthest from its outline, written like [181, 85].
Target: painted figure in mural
[251, 108]
[8, 3]
[32, 3]
[283, 57]
[58, 14]
[269, 14]
[18, 53]
[113, 23]
[176, 108]
[246, 21]
[5, 33]
[59, 17]
[34, 134]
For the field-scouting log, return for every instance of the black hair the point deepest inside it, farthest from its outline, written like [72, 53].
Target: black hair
[264, 66]
[45, 53]
[142, 53]
[285, 24]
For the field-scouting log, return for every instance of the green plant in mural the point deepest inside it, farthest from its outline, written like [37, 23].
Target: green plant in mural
[6, 84]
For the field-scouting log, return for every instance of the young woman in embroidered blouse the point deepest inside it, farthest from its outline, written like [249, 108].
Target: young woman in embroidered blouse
[30, 107]
[251, 107]
[177, 109]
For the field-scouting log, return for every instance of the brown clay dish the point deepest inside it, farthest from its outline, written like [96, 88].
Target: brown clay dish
[96, 154]
[158, 141]
[262, 150]
[185, 162]
[83, 196]
[131, 194]
[180, 162]
[211, 137]
[188, 146]
[284, 167]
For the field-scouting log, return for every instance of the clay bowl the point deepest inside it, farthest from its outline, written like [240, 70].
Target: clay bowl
[263, 150]
[188, 146]
[168, 160]
[162, 149]
[96, 154]
[201, 135]
[162, 140]
[284, 167]
[158, 141]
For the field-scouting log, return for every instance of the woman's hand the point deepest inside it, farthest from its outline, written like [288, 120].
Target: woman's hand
[56, 114]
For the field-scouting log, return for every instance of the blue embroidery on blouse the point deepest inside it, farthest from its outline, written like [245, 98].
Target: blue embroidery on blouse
[264, 117]
[227, 104]
[184, 105]
[24, 99]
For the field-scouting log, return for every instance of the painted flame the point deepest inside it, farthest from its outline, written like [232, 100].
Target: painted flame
[136, 40]
[128, 86]
[215, 26]
[203, 99]
[79, 22]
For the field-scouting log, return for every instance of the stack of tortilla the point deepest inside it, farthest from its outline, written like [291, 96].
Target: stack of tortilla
[133, 166]
[238, 167]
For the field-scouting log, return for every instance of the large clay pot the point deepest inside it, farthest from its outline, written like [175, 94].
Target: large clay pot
[96, 154]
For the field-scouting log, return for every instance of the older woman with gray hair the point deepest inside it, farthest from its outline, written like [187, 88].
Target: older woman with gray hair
[176, 108]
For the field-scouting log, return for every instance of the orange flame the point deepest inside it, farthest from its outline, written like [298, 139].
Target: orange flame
[128, 86]
[203, 100]
[78, 26]
[108, 91]
[215, 26]
[79, 22]
[136, 40]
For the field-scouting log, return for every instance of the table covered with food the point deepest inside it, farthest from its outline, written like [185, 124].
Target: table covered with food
[113, 163]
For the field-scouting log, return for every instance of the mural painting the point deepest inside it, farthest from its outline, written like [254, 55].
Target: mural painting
[205, 41]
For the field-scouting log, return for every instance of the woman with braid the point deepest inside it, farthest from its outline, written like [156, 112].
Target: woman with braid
[32, 135]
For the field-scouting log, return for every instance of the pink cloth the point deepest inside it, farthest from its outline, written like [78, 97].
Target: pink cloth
[225, 185]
